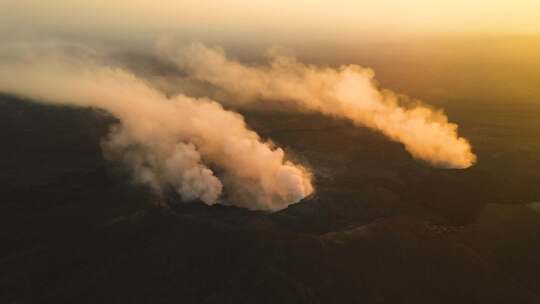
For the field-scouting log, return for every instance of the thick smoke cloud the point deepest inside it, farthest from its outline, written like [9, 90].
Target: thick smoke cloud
[196, 147]
[349, 92]
[191, 145]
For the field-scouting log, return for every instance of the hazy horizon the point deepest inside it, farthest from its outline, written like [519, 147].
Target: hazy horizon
[494, 44]
[344, 18]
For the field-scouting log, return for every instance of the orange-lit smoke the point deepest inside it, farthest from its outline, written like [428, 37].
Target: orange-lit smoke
[349, 91]
[167, 142]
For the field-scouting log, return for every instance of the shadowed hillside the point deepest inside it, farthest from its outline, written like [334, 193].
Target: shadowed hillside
[380, 228]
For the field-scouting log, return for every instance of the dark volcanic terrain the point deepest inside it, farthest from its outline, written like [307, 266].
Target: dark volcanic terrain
[381, 227]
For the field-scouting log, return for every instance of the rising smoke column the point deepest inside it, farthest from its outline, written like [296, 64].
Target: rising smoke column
[349, 91]
[166, 142]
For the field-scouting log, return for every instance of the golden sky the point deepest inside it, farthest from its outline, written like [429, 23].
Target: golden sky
[341, 17]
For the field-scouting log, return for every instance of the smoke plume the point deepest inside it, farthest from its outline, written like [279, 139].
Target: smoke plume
[349, 91]
[193, 146]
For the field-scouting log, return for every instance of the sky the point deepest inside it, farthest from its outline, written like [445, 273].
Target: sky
[410, 44]
[344, 18]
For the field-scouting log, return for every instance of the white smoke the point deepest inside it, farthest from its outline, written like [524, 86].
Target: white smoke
[349, 91]
[177, 142]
